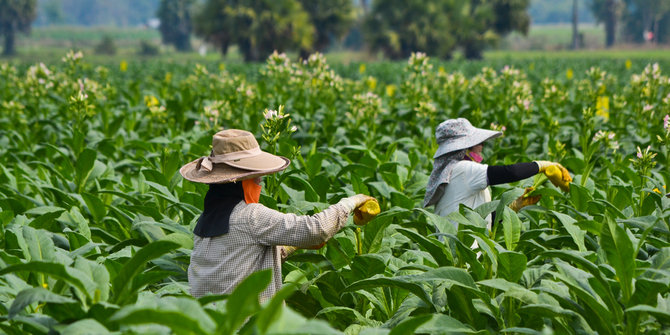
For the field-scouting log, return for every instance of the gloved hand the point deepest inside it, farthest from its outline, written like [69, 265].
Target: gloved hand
[525, 200]
[366, 212]
[543, 165]
[355, 201]
[557, 174]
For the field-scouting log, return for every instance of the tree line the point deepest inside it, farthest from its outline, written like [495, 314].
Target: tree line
[394, 27]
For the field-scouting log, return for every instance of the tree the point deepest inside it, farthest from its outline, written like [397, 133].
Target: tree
[607, 12]
[575, 24]
[647, 16]
[400, 27]
[175, 25]
[487, 21]
[257, 27]
[437, 27]
[331, 19]
[16, 16]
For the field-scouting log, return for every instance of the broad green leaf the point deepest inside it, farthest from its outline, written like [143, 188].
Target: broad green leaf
[83, 167]
[272, 310]
[511, 228]
[39, 243]
[601, 316]
[122, 283]
[661, 315]
[444, 324]
[163, 192]
[436, 248]
[442, 224]
[95, 206]
[403, 282]
[620, 254]
[292, 323]
[72, 276]
[170, 312]
[511, 265]
[85, 327]
[36, 294]
[569, 224]
[505, 199]
[374, 231]
[410, 325]
[185, 241]
[244, 300]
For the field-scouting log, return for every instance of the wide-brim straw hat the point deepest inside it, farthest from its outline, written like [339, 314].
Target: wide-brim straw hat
[235, 156]
[458, 134]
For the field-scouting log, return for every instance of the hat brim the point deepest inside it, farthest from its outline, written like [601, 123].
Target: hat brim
[261, 162]
[478, 136]
[224, 173]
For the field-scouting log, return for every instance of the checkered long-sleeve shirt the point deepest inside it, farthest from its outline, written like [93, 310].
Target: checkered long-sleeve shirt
[220, 263]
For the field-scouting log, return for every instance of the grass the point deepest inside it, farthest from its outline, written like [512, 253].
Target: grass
[49, 44]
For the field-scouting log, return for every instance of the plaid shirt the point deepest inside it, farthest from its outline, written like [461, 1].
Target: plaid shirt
[220, 263]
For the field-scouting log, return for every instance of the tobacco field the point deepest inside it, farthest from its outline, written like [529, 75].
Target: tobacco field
[96, 222]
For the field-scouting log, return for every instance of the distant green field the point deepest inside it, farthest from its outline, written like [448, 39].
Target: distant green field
[49, 44]
[554, 37]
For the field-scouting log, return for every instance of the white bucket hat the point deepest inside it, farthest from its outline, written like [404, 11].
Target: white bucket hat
[458, 134]
[235, 156]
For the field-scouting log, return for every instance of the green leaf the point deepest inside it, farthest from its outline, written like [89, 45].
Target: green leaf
[244, 300]
[39, 243]
[72, 276]
[163, 192]
[620, 254]
[511, 265]
[166, 313]
[601, 317]
[436, 248]
[272, 310]
[374, 231]
[403, 282]
[410, 325]
[579, 196]
[83, 167]
[511, 228]
[569, 224]
[292, 323]
[36, 294]
[95, 206]
[444, 324]
[85, 327]
[507, 198]
[441, 223]
[661, 315]
[185, 241]
[46, 216]
[122, 283]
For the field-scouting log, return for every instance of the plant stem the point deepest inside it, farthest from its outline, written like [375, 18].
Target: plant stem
[359, 241]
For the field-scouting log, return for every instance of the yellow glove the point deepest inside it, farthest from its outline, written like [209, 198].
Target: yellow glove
[366, 212]
[557, 174]
[543, 165]
[525, 200]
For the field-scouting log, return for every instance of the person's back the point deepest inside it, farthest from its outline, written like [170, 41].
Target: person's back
[468, 186]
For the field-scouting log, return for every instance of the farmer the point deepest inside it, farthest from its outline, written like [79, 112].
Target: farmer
[235, 235]
[458, 176]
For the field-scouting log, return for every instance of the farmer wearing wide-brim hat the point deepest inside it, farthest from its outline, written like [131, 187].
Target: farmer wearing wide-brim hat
[235, 235]
[458, 177]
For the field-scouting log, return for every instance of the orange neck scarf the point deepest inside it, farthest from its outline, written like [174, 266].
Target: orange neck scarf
[252, 191]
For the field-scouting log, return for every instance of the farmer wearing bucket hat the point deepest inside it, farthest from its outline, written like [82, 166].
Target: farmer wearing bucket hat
[235, 235]
[458, 177]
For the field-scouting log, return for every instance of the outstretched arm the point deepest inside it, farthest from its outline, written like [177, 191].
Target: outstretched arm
[501, 174]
